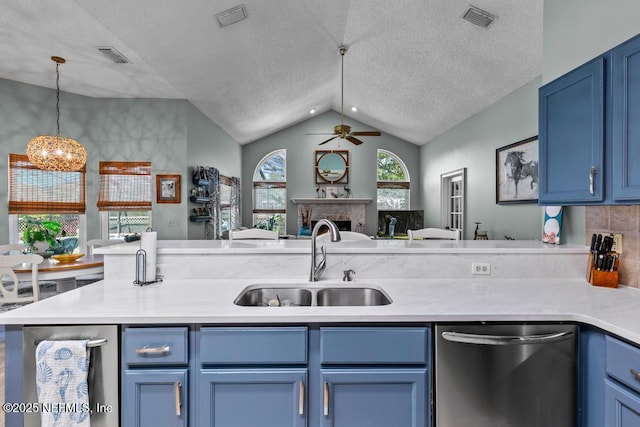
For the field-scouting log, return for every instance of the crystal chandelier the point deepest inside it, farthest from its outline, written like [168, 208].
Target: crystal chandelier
[56, 153]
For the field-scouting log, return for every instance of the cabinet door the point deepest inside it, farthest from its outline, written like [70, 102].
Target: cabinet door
[152, 398]
[622, 406]
[374, 398]
[247, 397]
[571, 139]
[626, 126]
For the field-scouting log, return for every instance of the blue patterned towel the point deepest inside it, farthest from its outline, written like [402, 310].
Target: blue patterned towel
[61, 382]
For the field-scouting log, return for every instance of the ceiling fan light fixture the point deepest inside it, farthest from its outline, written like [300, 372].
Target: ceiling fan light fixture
[54, 152]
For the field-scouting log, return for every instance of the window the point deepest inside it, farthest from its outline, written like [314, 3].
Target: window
[124, 201]
[393, 182]
[270, 192]
[452, 191]
[46, 195]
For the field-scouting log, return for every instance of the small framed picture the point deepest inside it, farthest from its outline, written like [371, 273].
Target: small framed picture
[167, 188]
[517, 172]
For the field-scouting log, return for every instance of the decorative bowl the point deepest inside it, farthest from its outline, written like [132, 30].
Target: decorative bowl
[67, 257]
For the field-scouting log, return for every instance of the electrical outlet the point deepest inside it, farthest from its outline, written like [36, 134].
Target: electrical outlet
[481, 268]
[160, 269]
[617, 243]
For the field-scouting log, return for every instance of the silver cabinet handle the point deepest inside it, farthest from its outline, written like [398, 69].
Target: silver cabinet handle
[301, 399]
[177, 387]
[504, 339]
[325, 400]
[635, 374]
[153, 350]
[592, 174]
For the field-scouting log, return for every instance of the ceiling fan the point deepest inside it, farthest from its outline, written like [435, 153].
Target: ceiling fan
[343, 131]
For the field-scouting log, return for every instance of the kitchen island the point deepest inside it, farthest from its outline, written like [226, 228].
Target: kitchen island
[428, 283]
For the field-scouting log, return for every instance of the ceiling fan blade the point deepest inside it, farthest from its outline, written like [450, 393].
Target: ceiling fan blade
[323, 133]
[354, 140]
[372, 133]
[324, 142]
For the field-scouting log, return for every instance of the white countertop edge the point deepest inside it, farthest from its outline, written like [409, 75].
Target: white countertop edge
[415, 300]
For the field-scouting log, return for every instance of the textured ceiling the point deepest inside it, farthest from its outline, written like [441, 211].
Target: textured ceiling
[414, 68]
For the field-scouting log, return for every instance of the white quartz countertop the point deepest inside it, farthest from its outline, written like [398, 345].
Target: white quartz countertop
[297, 246]
[414, 300]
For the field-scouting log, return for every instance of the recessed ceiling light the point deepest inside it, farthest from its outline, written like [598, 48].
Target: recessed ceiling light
[312, 111]
[354, 109]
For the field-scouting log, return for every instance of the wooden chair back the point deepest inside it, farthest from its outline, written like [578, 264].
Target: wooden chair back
[10, 280]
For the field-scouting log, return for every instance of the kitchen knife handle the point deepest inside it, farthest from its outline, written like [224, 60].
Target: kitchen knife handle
[592, 174]
[593, 242]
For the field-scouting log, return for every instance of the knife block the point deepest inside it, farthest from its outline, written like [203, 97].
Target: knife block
[607, 279]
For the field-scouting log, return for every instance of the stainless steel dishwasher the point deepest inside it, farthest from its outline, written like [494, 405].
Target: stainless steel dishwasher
[505, 375]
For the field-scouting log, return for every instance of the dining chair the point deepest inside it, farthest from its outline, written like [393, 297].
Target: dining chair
[12, 248]
[346, 236]
[253, 233]
[434, 233]
[99, 243]
[9, 285]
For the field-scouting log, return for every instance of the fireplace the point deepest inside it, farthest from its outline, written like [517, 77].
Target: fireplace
[347, 214]
[342, 225]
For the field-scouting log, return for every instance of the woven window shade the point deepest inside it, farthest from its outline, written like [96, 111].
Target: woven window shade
[125, 186]
[33, 190]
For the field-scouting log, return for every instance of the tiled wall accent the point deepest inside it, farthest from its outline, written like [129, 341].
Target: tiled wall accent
[619, 219]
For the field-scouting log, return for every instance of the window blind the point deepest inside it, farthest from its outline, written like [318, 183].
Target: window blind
[125, 186]
[35, 191]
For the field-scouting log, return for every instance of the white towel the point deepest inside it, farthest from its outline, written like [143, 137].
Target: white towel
[61, 382]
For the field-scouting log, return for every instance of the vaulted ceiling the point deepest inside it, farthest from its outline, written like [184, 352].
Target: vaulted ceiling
[414, 68]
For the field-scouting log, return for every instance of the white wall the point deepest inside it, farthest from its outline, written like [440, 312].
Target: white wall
[576, 31]
[472, 145]
[300, 164]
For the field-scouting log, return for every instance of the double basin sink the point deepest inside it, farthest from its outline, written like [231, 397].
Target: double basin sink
[311, 295]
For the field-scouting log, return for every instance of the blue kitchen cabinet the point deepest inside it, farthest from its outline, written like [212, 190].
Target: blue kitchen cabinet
[572, 136]
[626, 126]
[374, 376]
[155, 378]
[155, 397]
[374, 397]
[589, 132]
[252, 397]
[592, 348]
[622, 384]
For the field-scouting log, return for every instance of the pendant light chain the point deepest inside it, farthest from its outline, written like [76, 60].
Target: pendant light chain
[57, 99]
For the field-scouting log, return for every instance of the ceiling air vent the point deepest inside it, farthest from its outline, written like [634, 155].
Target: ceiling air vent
[479, 17]
[113, 54]
[231, 16]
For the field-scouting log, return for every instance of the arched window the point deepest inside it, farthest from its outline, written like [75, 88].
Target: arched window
[270, 192]
[393, 182]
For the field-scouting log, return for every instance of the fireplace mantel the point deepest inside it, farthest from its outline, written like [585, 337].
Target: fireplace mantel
[317, 200]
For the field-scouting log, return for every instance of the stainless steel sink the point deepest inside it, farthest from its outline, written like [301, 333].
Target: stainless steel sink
[274, 297]
[302, 295]
[351, 297]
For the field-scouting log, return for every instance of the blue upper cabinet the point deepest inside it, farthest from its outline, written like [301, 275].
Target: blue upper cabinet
[626, 121]
[590, 132]
[571, 136]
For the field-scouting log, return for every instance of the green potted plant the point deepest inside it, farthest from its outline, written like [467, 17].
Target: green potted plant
[40, 231]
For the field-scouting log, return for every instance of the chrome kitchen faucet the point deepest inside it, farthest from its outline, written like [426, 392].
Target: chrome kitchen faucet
[318, 269]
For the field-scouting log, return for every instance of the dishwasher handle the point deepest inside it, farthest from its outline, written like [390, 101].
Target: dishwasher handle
[461, 337]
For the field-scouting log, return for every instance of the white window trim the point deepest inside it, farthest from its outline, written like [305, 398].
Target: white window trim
[405, 170]
[82, 224]
[104, 223]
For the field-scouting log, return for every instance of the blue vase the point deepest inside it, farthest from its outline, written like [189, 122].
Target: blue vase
[304, 231]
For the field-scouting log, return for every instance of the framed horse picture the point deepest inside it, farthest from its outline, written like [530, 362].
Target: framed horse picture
[517, 172]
